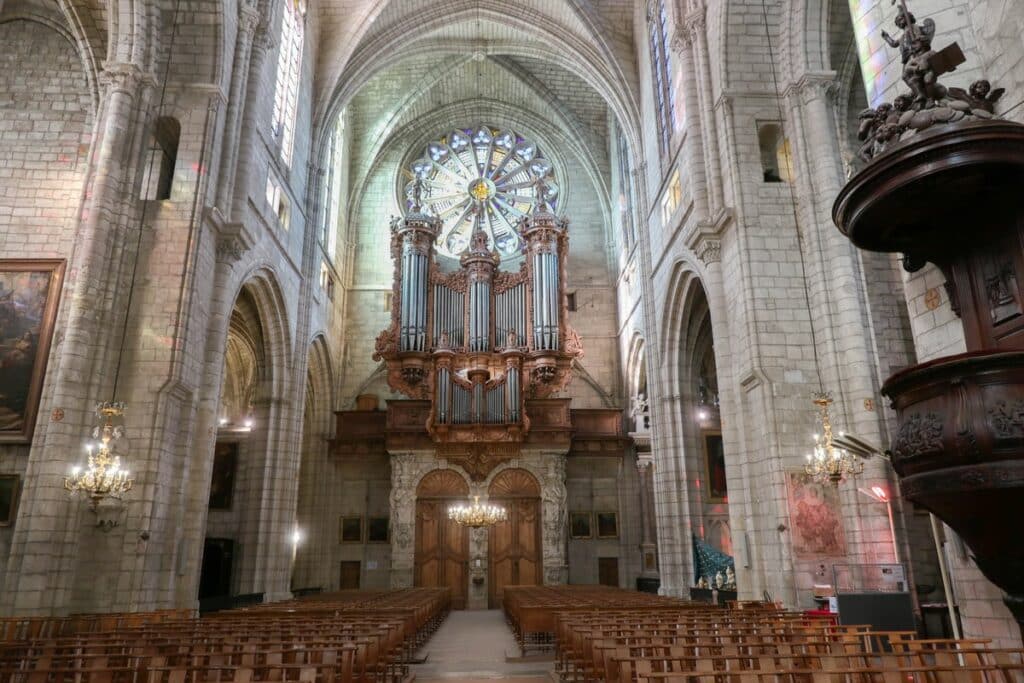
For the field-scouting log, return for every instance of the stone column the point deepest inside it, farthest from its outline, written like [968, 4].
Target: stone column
[406, 470]
[648, 545]
[51, 529]
[242, 67]
[553, 496]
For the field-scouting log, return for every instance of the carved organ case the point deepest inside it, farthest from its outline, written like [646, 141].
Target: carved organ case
[478, 341]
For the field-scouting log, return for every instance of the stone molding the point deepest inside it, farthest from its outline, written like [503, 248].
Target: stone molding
[705, 239]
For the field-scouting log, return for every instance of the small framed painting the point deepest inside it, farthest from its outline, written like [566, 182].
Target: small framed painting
[29, 291]
[377, 530]
[222, 483]
[351, 529]
[607, 525]
[9, 485]
[579, 525]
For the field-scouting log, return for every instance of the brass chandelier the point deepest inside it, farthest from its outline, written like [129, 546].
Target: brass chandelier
[477, 514]
[102, 476]
[829, 463]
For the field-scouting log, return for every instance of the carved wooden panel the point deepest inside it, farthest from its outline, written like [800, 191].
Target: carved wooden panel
[514, 548]
[442, 484]
[442, 551]
[514, 483]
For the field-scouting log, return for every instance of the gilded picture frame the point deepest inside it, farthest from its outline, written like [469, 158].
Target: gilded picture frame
[580, 525]
[607, 523]
[29, 297]
[350, 529]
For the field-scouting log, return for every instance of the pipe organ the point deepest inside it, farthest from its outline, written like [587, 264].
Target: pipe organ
[476, 340]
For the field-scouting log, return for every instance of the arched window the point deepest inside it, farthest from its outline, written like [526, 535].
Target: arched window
[664, 92]
[334, 186]
[289, 71]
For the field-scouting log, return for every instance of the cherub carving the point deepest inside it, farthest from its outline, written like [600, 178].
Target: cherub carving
[980, 96]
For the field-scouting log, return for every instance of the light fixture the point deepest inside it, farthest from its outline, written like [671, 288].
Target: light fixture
[248, 423]
[829, 463]
[477, 515]
[102, 476]
[296, 537]
[223, 421]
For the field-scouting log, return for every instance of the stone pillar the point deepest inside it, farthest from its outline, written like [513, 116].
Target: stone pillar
[51, 529]
[648, 546]
[553, 496]
[406, 470]
[242, 67]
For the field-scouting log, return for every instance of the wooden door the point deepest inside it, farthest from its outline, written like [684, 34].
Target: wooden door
[515, 548]
[608, 571]
[442, 550]
[350, 573]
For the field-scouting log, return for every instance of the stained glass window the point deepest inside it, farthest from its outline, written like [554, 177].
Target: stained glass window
[289, 72]
[482, 177]
[661, 62]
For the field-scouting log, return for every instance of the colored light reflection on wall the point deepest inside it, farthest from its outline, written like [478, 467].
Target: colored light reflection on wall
[872, 51]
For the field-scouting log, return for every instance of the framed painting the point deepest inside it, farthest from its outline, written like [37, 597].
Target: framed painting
[222, 484]
[815, 517]
[351, 529]
[377, 530]
[29, 293]
[607, 524]
[9, 485]
[579, 525]
[714, 468]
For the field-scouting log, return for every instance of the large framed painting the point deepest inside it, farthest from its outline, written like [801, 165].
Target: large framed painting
[29, 291]
[377, 530]
[714, 468]
[579, 525]
[815, 517]
[222, 484]
[351, 529]
[607, 524]
[8, 498]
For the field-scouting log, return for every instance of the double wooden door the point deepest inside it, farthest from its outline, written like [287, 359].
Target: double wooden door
[514, 548]
[442, 550]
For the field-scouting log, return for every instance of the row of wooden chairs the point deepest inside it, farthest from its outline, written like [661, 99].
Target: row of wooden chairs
[615, 636]
[347, 637]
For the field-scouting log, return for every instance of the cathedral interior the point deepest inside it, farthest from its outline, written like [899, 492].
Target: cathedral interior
[630, 304]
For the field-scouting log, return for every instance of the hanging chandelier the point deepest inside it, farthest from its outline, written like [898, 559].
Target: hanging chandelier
[477, 514]
[102, 477]
[828, 463]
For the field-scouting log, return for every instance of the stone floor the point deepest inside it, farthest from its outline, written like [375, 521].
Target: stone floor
[473, 645]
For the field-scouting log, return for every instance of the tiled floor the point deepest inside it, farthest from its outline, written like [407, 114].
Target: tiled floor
[472, 645]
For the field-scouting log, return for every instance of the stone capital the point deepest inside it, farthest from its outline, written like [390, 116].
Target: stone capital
[815, 85]
[248, 19]
[229, 250]
[124, 77]
[695, 22]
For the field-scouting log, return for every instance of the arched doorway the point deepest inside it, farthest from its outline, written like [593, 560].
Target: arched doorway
[442, 546]
[514, 547]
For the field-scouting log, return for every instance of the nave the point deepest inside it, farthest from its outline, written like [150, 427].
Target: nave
[569, 634]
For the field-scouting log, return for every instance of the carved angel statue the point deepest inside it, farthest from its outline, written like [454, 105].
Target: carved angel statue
[980, 96]
[907, 22]
[414, 192]
[540, 202]
[730, 578]
[719, 580]
[640, 412]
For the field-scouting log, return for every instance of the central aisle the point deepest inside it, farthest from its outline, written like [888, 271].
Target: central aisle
[471, 645]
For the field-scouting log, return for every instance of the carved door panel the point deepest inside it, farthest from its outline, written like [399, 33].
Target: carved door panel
[442, 551]
[515, 548]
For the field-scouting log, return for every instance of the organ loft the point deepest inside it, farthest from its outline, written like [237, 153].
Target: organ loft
[479, 354]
